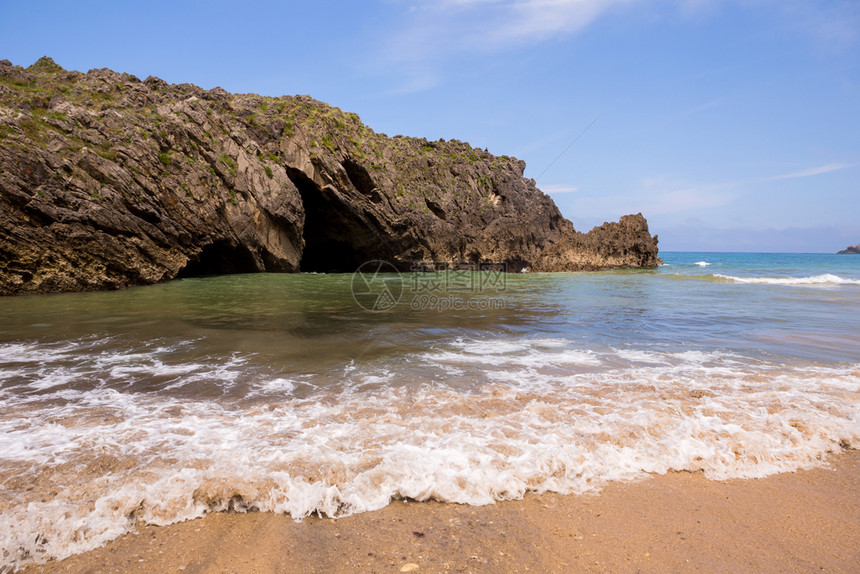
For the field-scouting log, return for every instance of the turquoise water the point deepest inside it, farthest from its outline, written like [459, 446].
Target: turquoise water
[788, 304]
[333, 394]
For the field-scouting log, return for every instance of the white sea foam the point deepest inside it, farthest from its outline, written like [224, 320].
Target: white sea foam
[33, 352]
[54, 378]
[702, 264]
[524, 353]
[640, 356]
[825, 279]
[532, 416]
[109, 358]
[155, 367]
[277, 385]
[225, 375]
[490, 347]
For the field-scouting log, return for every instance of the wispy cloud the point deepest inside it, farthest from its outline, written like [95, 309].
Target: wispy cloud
[540, 20]
[703, 107]
[702, 236]
[672, 197]
[810, 172]
[559, 188]
[662, 196]
[655, 196]
[833, 25]
[430, 34]
[433, 32]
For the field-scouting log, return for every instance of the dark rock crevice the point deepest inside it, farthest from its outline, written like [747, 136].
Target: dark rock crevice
[222, 257]
[337, 239]
[359, 177]
[436, 209]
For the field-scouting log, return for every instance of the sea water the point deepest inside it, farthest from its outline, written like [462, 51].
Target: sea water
[334, 394]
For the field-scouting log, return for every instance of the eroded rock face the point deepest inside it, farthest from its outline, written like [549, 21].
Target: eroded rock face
[108, 181]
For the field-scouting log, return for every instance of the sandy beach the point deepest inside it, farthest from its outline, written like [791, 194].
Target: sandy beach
[431, 286]
[680, 522]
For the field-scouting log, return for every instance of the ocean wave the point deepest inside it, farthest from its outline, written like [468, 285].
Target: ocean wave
[82, 466]
[702, 264]
[824, 279]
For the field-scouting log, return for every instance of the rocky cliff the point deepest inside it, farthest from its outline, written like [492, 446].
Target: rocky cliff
[108, 181]
[850, 250]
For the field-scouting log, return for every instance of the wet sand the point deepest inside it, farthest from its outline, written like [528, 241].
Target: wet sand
[681, 522]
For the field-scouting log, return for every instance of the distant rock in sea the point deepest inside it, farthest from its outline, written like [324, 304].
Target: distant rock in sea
[850, 250]
[108, 181]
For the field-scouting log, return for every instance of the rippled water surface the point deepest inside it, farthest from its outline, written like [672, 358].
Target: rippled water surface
[284, 393]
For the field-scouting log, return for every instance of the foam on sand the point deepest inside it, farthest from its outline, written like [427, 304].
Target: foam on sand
[79, 466]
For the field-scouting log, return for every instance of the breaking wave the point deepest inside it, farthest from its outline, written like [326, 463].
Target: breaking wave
[89, 446]
[824, 279]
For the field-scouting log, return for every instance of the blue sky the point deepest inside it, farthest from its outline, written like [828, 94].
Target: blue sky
[732, 125]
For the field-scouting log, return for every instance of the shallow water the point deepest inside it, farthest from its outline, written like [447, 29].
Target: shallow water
[284, 393]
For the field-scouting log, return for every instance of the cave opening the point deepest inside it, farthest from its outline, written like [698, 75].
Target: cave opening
[337, 238]
[222, 257]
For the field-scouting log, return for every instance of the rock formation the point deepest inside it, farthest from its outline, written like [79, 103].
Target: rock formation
[108, 181]
[850, 250]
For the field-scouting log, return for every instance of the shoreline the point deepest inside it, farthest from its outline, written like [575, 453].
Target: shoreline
[803, 521]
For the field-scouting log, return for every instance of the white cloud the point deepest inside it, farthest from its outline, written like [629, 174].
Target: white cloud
[430, 33]
[810, 172]
[700, 236]
[686, 199]
[665, 196]
[435, 31]
[653, 197]
[705, 106]
[558, 188]
[832, 25]
[539, 20]
[667, 199]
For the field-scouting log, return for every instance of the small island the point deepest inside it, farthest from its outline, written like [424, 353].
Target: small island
[850, 250]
